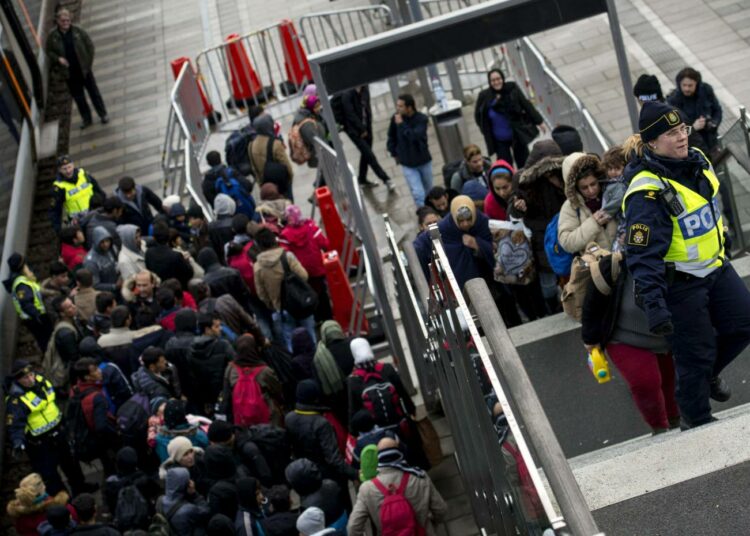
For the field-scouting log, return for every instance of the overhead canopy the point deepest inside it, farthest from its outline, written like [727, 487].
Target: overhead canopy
[444, 37]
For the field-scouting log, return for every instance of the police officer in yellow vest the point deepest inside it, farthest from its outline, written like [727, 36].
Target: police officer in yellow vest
[675, 251]
[26, 293]
[71, 192]
[34, 424]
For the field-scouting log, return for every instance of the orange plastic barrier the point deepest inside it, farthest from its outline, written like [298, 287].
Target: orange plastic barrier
[295, 60]
[245, 81]
[333, 225]
[342, 297]
[177, 64]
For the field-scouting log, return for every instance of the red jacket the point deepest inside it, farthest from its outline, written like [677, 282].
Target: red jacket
[244, 264]
[72, 256]
[493, 209]
[307, 242]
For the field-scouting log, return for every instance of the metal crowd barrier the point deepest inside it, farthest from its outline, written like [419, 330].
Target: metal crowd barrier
[552, 97]
[328, 29]
[501, 461]
[733, 168]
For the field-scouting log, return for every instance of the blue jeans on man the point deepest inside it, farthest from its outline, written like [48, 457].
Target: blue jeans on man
[419, 180]
[284, 324]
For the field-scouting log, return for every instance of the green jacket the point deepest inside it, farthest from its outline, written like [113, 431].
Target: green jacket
[56, 49]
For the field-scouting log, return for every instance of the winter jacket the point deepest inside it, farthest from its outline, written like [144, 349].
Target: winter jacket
[137, 211]
[55, 50]
[280, 524]
[208, 360]
[98, 218]
[219, 234]
[258, 150]
[269, 386]
[222, 280]
[313, 437]
[355, 387]
[309, 130]
[231, 313]
[97, 529]
[429, 507]
[357, 112]
[307, 480]
[167, 263]
[407, 141]
[543, 201]
[96, 410]
[117, 345]
[58, 196]
[27, 517]
[72, 256]
[577, 226]
[208, 186]
[192, 516]
[131, 259]
[196, 436]
[462, 174]
[102, 264]
[702, 103]
[269, 275]
[306, 242]
[521, 114]
[115, 383]
[85, 300]
[165, 385]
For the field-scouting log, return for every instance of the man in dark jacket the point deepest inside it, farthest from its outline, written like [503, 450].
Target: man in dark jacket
[306, 479]
[144, 296]
[71, 54]
[407, 143]
[107, 216]
[85, 507]
[156, 377]
[208, 186]
[136, 200]
[102, 262]
[177, 348]
[164, 261]
[116, 385]
[62, 351]
[358, 126]
[231, 313]
[117, 344]
[220, 231]
[222, 280]
[697, 100]
[209, 356]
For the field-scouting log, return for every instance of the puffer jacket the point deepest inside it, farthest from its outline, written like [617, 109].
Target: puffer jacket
[192, 516]
[577, 226]
[306, 479]
[543, 201]
[306, 242]
[102, 264]
[269, 275]
[154, 386]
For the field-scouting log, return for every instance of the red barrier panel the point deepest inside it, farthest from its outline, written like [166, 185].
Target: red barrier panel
[295, 60]
[177, 64]
[334, 227]
[342, 297]
[245, 81]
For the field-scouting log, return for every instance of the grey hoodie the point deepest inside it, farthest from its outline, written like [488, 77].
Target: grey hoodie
[102, 264]
[127, 235]
[224, 205]
[193, 513]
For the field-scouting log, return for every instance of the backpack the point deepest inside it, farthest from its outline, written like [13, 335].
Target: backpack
[161, 522]
[559, 259]
[236, 149]
[273, 444]
[449, 170]
[227, 184]
[280, 361]
[132, 419]
[81, 438]
[248, 405]
[582, 272]
[379, 396]
[131, 511]
[397, 517]
[297, 297]
[514, 260]
[337, 107]
[298, 150]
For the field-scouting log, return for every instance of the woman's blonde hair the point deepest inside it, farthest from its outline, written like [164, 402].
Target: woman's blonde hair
[632, 147]
[470, 151]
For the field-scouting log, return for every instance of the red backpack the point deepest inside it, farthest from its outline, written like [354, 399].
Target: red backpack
[380, 397]
[248, 405]
[397, 517]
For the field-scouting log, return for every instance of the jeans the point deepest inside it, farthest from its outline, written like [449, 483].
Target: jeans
[419, 180]
[284, 324]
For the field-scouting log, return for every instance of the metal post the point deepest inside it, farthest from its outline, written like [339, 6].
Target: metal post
[622, 62]
[457, 89]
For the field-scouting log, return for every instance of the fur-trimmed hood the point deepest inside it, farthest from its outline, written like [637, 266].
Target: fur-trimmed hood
[530, 175]
[583, 165]
[17, 509]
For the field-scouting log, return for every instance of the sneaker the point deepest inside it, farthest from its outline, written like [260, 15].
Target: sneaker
[720, 391]
[368, 184]
[105, 119]
[368, 463]
[391, 187]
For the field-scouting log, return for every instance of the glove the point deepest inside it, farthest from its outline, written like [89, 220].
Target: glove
[663, 329]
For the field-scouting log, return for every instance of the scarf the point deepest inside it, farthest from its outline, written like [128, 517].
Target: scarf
[395, 458]
[326, 368]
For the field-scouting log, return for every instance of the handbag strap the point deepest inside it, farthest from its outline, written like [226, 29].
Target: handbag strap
[285, 263]
[269, 152]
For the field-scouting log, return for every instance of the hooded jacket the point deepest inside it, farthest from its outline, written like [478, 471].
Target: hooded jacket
[306, 241]
[98, 218]
[193, 514]
[220, 230]
[102, 264]
[131, 259]
[463, 174]
[307, 480]
[577, 226]
[222, 280]
[166, 263]
[257, 150]
[269, 275]
[495, 207]
[208, 360]
[166, 385]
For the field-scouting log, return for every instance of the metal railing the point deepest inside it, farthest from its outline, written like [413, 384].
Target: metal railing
[328, 29]
[504, 442]
[733, 169]
[552, 97]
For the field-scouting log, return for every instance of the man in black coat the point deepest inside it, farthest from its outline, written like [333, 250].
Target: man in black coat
[697, 100]
[222, 280]
[358, 126]
[166, 262]
[107, 216]
[136, 200]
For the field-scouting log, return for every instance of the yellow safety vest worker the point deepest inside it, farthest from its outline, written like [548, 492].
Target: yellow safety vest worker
[35, 288]
[78, 195]
[45, 414]
[697, 246]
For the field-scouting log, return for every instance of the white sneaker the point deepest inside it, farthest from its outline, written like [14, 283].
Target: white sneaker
[391, 187]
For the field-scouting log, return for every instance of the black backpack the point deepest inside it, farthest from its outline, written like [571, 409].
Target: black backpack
[236, 150]
[280, 361]
[449, 170]
[131, 511]
[337, 107]
[273, 444]
[132, 420]
[297, 297]
[80, 437]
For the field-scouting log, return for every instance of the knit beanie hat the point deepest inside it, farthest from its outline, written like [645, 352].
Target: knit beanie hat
[308, 392]
[220, 432]
[657, 118]
[567, 138]
[361, 350]
[568, 164]
[177, 448]
[174, 414]
[647, 88]
[311, 521]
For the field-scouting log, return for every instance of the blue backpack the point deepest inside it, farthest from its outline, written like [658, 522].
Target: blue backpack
[558, 258]
[230, 186]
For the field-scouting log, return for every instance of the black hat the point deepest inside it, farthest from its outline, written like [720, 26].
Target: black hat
[15, 262]
[174, 414]
[220, 432]
[20, 367]
[308, 392]
[647, 88]
[63, 160]
[177, 210]
[195, 212]
[656, 118]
